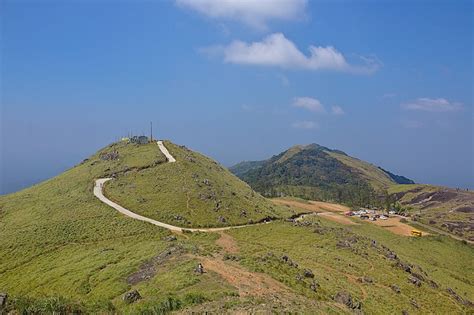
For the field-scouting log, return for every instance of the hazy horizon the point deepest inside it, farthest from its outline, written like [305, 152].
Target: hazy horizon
[389, 83]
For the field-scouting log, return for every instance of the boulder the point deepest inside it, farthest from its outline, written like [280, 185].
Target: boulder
[345, 298]
[415, 281]
[132, 296]
[308, 273]
[3, 300]
[314, 286]
[395, 288]
[171, 238]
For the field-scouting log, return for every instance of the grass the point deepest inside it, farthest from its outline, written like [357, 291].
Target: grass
[446, 261]
[193, 192]
[64, 251]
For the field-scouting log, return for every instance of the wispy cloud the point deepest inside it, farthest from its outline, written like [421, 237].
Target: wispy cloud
[308, 103]
[305, 125]
[337, 110]
[254, 13]
[276, 50]
[432, 105]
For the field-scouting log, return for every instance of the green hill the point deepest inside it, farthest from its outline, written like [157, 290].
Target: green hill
[316, 172]
[63, 251]
[193, 192]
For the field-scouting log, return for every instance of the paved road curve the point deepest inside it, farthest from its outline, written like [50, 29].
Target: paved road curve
[98, 192]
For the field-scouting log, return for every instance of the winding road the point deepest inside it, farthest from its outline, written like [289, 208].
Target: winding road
[99, 193]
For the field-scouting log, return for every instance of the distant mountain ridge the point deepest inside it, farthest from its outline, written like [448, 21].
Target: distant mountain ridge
[317, 172]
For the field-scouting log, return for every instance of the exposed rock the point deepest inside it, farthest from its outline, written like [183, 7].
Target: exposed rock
[414, 303]
[308, 273]
[345, 298]
[433, 284]
[459, 298]
[3, 300]
[415, 281]
[150, 267]
[391, 255]
[290, 262]
[314, 286]
[366, 279]
[171, 238]
[395, 288]
[404, 312]
[109, 156]
[131, 296]
[221, 219]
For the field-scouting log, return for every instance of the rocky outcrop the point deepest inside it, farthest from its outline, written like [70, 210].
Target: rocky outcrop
[132, 296]
[345, 298]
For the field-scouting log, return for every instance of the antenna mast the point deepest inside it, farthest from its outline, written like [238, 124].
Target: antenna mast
[151, 131]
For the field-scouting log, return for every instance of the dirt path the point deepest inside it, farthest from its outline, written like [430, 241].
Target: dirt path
[165, 151]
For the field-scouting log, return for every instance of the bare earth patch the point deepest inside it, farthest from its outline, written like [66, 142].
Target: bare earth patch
[227, 243]
[314, 206]
[394, 225]
[248, 283]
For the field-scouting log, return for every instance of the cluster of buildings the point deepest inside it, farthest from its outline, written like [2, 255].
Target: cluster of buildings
[137, 139]
[368, 214]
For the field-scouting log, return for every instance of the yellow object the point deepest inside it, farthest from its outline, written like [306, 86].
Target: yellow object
[416, 233]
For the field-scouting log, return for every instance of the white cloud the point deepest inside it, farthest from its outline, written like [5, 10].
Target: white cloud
[432, 105]
[254, 13]
[277, 51]
[305, 125]
[337, 110]
[309, 103]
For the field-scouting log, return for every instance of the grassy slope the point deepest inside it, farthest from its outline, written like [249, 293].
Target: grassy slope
[57, 239]
[445, 261]
[441, 212]
[194, 192]
[375, 176]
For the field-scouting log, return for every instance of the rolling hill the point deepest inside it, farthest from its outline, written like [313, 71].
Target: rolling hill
[63, 251]
[447, 209]
[318, 173]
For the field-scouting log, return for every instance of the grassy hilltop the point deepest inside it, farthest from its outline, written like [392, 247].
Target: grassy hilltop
[195, 191]
[64, 251]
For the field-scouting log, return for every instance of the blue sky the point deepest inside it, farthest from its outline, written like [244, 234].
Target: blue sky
[390, 82]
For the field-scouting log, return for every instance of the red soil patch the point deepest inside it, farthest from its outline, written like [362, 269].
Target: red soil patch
[227, 243]
[248, 283]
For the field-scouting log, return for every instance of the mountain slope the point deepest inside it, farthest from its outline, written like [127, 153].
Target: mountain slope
[316, 172]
